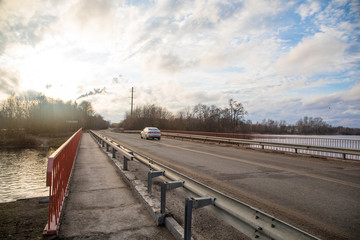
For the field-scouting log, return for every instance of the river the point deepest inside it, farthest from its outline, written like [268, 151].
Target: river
[22, 174]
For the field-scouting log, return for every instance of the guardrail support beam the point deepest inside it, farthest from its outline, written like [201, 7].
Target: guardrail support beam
[168, 186]
[191, 203]
[125, 164]
[126, 159]
[151, 175]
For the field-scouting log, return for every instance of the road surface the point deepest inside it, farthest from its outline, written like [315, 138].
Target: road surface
[316, 195]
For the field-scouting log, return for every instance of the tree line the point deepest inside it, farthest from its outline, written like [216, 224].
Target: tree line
[40, 114]
[231, 118]
[36, 113]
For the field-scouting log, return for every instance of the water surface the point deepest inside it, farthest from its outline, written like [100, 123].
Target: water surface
[22, 174]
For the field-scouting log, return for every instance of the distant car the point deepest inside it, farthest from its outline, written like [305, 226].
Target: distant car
[150, 132]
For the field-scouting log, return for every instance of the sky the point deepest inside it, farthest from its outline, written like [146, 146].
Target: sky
[283, 60]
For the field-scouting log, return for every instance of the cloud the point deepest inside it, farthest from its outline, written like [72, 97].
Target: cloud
[200, 34]
[349, 98]
[89, 12]
[308, 9]
[9, 82]
[337, 108]
[23, 22]
[352, 112]
[115, 80]
[323, 52]
[167, 63]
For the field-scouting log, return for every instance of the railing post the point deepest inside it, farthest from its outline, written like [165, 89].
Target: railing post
[191, 203]
[151, 175]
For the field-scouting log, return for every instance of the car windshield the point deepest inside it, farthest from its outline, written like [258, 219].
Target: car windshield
[153, 129]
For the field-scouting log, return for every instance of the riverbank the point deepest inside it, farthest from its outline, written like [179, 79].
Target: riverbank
[22, 140]
[23, 219]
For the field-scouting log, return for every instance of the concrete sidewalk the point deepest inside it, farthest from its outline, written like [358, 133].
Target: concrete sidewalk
[101, 205]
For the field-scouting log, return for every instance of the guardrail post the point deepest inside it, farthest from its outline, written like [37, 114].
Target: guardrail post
[126, 159]
[151, 175]
[107, 147]
[102, 143]
[125, 165]
[191, 203]
[168, 186]
[113, 153]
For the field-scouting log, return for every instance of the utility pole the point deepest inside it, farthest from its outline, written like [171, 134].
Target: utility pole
[132, 100]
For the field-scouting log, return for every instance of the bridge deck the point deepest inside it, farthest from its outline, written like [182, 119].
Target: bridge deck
[101, 205]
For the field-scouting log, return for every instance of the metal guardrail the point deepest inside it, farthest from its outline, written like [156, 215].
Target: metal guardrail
[322, 141]
[262, 144]
[247, 219]
[59, 169]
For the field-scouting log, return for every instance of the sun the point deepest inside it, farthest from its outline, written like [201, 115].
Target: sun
[52, 71]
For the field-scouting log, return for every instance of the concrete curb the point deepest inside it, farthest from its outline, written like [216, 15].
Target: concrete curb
[151, 204]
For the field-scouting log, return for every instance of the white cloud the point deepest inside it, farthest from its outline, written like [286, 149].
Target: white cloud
[354, 93]
[9, 81]
[308, 9]
[333, 104]
[323, 52]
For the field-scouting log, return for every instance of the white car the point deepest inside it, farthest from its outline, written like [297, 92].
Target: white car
[150, 132]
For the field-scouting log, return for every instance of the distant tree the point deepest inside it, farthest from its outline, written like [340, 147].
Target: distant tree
[202, 117]
[147, 115]
[237, 112]
[37, 113]
[309, 125]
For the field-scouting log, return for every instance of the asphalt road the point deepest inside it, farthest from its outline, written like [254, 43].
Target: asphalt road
[316, 195]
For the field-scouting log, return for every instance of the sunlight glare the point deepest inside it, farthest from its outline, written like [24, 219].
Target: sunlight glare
[49, 71]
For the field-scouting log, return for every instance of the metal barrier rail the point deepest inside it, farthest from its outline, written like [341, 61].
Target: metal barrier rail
[58, 172]
[345, 152]
[297, 140]
[248, 220]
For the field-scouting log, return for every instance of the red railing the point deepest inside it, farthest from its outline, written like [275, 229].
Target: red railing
[59, 168]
